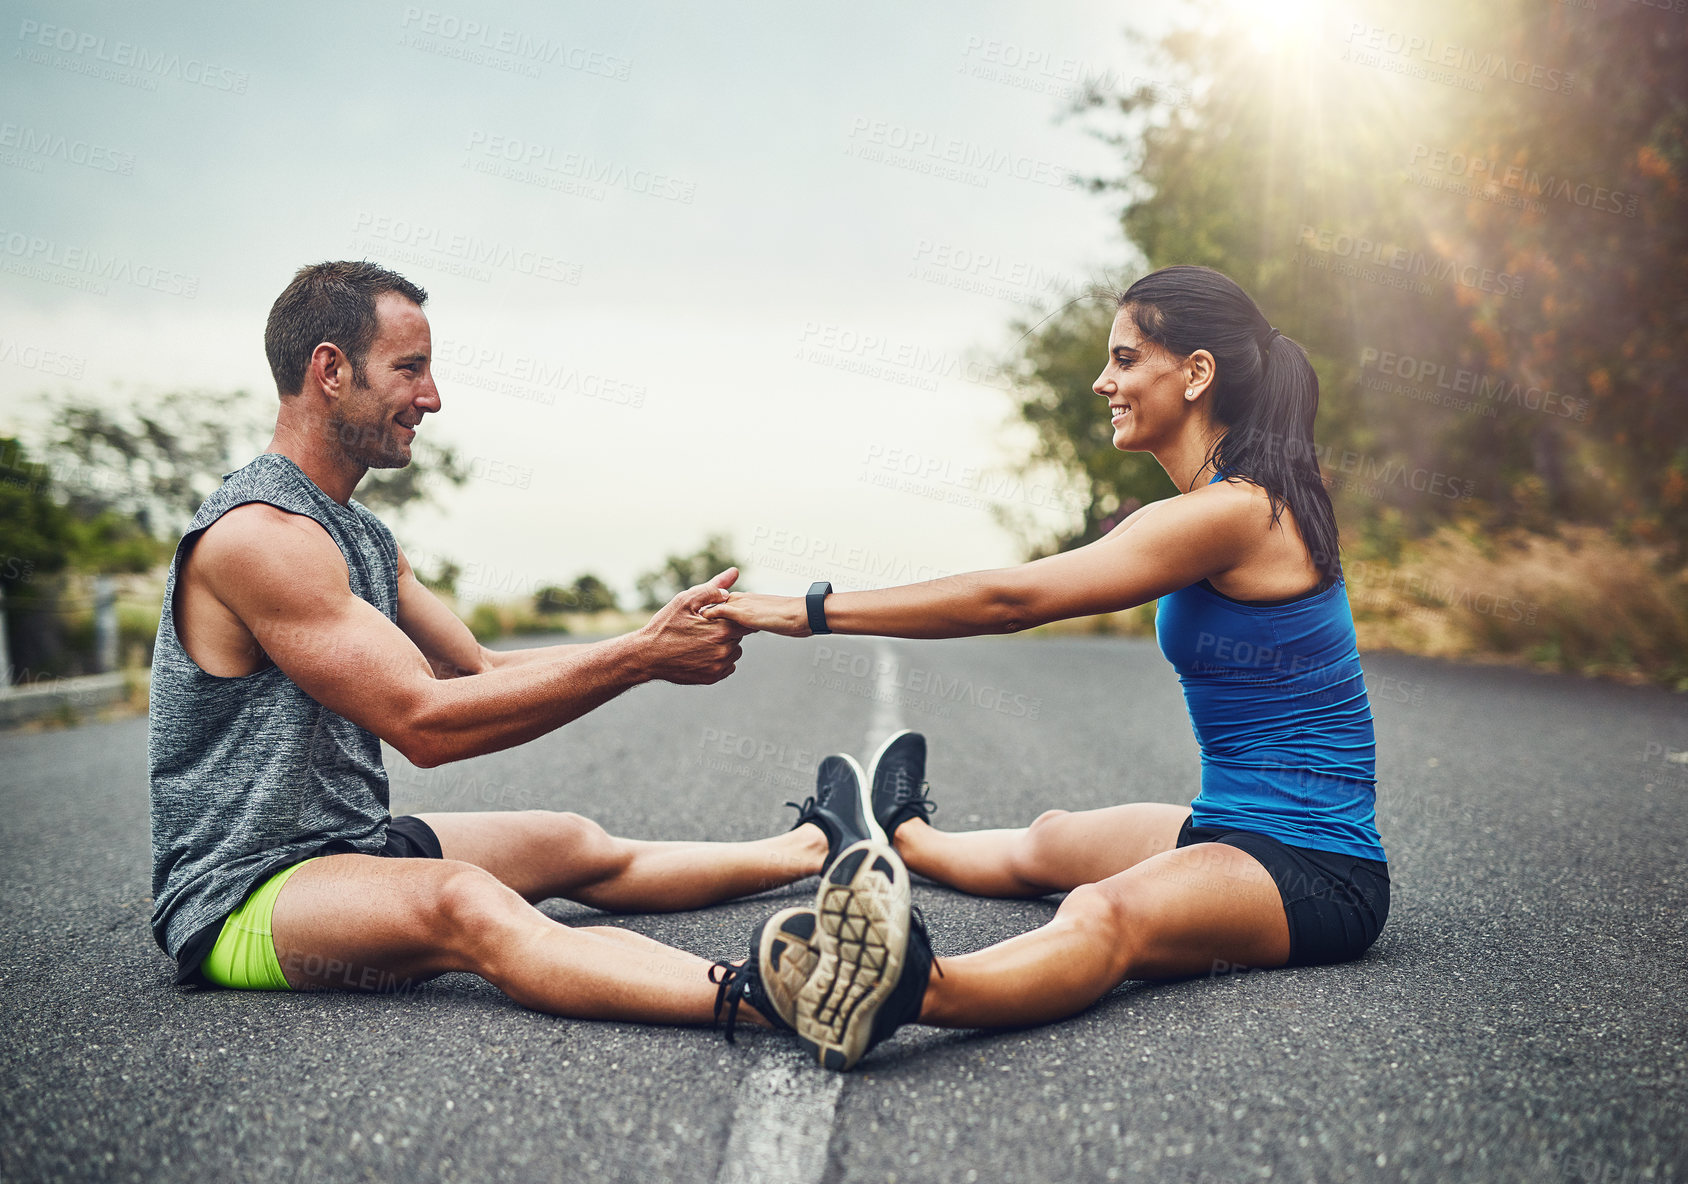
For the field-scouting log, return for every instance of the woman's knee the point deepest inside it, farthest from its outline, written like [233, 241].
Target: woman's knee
[1035, 857]
[1103, 913]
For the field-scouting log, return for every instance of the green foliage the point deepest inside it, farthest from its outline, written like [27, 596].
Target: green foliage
[155, 460]
[36, 532]
[588, 594]
[443, 579]
[485, 622]
[44, 530]
[679, 572]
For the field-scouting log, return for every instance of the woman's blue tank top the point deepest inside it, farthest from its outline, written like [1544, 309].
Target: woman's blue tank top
[1278, 703]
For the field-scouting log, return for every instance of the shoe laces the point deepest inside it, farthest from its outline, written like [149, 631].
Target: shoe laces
[919, 919]
[911, 796]
[806, 811]
[733, 981]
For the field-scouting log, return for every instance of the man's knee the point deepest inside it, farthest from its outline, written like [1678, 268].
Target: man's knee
[1034, 857]
[593, 853]
[564, 830]
[469, 904]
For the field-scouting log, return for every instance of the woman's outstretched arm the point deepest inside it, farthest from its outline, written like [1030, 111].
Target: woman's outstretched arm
[1187, 538]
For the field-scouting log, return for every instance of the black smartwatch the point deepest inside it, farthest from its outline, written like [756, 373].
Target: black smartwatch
[815, 602]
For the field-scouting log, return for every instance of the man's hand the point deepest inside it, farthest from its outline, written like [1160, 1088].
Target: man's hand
[680, 645]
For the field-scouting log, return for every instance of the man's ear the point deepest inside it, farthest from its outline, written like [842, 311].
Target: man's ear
[330, 368]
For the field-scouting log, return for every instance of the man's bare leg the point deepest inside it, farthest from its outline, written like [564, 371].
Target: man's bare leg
[369, 923]
[542, 854]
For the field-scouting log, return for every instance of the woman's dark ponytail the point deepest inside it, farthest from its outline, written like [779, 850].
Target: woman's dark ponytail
[1264, 392]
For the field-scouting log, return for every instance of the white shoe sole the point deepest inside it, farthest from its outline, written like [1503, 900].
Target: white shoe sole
[786, 958]
[862, 935]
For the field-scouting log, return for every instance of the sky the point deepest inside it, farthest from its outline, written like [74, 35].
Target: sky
[744, 269]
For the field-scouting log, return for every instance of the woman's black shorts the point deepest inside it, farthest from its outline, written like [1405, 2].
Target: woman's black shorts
[1336, 904]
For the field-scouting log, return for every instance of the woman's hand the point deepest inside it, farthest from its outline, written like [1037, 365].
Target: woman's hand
[786, 615]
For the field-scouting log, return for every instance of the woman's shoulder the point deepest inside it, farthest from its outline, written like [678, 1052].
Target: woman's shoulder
[1237, 497]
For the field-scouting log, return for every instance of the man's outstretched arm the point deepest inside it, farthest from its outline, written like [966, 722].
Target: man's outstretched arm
[286, 581]
[447, 643]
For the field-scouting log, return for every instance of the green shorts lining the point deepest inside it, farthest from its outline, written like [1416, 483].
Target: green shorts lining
[244, 956]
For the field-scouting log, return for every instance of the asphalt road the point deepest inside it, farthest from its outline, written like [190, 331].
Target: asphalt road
[1520, 1018]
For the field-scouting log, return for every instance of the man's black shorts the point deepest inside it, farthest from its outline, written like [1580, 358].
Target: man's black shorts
[1336, 904]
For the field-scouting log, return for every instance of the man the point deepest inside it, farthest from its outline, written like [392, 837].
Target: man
[295, 637]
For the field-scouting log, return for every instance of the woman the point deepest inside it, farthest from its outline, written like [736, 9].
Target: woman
[1277, 862]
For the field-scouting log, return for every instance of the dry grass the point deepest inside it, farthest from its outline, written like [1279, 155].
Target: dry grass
[1579, 601]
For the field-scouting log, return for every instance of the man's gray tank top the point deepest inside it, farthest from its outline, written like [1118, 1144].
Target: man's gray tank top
[250, 774]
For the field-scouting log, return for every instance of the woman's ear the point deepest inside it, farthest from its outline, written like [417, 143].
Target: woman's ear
[1198, 373]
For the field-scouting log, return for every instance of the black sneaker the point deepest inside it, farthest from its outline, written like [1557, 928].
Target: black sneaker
[896, 784]
[873, 960]
[837, 805]
[782, 957]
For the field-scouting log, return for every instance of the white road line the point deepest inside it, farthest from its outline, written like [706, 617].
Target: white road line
[886, 716]
[783, 1123]
[786, 1108]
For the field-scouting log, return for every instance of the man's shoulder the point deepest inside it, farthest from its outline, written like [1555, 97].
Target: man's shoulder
[258, 535]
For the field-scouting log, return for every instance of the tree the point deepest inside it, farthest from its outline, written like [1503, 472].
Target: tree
[679, 572]
[1322, 167]
[44, 536]
[588, 594]
[160, 459]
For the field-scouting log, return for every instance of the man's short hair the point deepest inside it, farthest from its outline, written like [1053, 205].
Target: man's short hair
[333, 302]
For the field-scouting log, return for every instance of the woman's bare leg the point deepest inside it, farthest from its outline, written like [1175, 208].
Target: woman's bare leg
[1056, 853]
[1178, 913]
